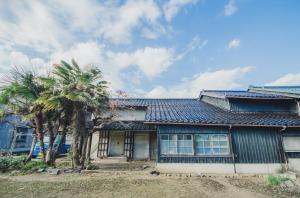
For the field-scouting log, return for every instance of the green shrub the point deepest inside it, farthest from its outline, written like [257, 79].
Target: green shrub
[11, 163]
[33, 166]
[275, 180]
[4, 163]
[19, 163]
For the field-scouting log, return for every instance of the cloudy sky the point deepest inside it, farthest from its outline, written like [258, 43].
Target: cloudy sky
[163, 48]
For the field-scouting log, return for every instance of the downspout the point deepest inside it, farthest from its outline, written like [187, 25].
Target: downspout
[231, 148]
[298, 105]
[286, 166]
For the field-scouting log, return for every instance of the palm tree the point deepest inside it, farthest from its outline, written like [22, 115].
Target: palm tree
[19, 94]
[79, 94]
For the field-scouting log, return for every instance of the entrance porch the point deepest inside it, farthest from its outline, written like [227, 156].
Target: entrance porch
[130, 145]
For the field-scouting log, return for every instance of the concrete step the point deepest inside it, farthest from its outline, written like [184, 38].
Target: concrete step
[112, 160]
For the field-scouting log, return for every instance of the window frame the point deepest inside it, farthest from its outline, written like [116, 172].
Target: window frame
[177, 145]
[228, 136]
[193, 154]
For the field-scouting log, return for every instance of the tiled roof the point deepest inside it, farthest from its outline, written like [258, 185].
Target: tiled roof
[145, 102]
[290, 91]
[194, 111]
[241, 94]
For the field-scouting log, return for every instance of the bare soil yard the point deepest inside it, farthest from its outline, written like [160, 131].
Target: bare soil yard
[137, 184]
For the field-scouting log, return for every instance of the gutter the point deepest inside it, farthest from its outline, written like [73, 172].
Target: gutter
[225, 125]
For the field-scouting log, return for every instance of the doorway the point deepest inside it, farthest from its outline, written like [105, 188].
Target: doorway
[116, 144]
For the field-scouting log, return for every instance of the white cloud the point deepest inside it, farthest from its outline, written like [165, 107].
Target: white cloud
[89, 53]
[220, 79]
[230, 8]
[196, 43]
[126, 18]
[33, 26]
[288, 79]
[151, 61]
[235, 43]
[172, 7]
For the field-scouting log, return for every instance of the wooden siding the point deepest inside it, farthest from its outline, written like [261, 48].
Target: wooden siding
[248, 105]
[257, 145]
[219, 102]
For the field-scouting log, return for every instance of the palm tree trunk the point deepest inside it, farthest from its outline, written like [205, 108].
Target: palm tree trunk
[49, 153]
[39, 131]
[89, 147]
[83, 151]
[59, 146]
[78, 131]
[34, 140]
[75, 150]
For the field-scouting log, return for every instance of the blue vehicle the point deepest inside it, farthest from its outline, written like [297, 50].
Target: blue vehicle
[64, 149]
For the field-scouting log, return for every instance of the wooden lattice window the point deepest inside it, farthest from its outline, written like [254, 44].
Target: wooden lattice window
[103, 144]
[129, 144]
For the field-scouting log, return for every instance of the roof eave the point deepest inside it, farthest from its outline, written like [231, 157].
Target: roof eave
[210, 124]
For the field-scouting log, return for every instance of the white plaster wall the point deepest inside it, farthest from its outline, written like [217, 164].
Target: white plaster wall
[141, 146]
[258, 168]
[195, 168]
[130, 115]
[94, 147]
[217, 168]
[294, 165]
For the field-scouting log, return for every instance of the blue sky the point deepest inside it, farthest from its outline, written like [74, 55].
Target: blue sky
[163, 48]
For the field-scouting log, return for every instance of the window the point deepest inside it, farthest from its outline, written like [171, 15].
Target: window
[176, 144]
[291, 143]
[22, 133]
[211, 144]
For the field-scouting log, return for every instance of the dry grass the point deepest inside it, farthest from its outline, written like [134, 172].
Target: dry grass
[135, 184]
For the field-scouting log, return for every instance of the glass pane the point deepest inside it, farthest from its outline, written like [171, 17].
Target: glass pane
[215, 143]
[173, 143]
[207, 144]
[165, 137]
[206, 137]
[224, 151]
[181, 150]
[164, 147]
[173, 137]
[188, 143]
[199, 144]
[208, 151]
[189, 150]
[180, 137]
[181, 143]
[188, 137]
[199, 137]
[216, 151]
[223, 143]
[172, 150]
[223, 137]
[215, 137]
[199, 151]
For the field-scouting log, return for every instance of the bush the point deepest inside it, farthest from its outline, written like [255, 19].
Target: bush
[275, 180]
[19, 163]
[11, 163]
[33, 166]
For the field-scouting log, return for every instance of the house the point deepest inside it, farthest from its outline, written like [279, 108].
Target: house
[15, 135]
[219, 132]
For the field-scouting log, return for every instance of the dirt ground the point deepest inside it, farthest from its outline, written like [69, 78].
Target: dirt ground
[136, 184]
